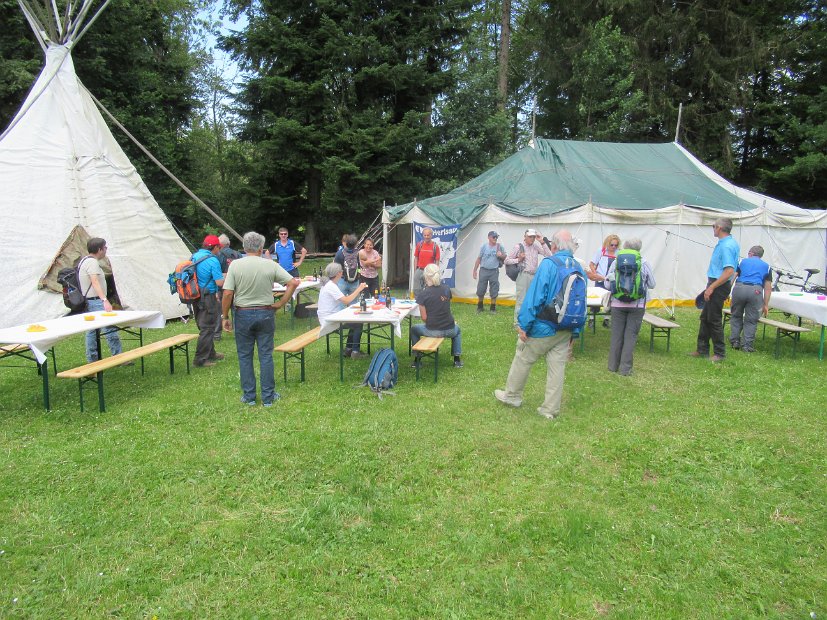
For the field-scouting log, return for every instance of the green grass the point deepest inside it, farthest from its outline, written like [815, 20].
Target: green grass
[686, 490]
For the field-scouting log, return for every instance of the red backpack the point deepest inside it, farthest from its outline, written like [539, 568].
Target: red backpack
[184, 281]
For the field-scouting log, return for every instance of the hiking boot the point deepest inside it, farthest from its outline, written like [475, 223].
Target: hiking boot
[493, 308]
[480, 308]
[505, 400]
[217, 357]
[415, 362]
[606, 323]
[717, 358]
[747, 349]
[249, 403]
[547, 416]
[357, 355]
[735, 344]
[276, 397]
[348, 351]
[206, 364]
[458, 362]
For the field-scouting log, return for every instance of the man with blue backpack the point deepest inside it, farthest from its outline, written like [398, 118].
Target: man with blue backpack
[553, 312]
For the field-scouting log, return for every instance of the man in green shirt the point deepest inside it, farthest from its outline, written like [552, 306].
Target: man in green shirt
[248, 288]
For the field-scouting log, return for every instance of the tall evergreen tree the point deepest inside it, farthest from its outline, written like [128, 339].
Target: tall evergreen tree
[339, 105]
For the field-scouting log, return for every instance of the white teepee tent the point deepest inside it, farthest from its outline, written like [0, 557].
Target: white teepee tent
[60, 169]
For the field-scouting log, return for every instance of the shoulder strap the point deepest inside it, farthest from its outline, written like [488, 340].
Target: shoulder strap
[77, 274]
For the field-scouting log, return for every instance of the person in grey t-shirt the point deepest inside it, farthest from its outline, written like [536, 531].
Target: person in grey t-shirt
[492, 255]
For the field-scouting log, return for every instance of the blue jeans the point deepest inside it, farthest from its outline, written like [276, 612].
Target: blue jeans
[255, 327]
[419, 330]
[348, 287]
[111, 334]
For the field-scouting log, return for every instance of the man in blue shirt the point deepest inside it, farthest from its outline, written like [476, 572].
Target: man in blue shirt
[539, 338]
[719, 282]
[207, 308]
[750, 298]
[284, 250]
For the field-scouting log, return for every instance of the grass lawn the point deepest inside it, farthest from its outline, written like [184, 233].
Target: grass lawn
[688, 490]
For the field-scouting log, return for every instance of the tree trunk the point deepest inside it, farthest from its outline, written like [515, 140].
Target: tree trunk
[314, 198]
[505, 44]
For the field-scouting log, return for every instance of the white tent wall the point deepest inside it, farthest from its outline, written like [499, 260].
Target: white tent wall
[61, 167]
[677, 241]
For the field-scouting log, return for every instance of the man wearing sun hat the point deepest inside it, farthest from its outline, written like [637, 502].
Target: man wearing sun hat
[207, 308]
[527, 256]
[492, 255]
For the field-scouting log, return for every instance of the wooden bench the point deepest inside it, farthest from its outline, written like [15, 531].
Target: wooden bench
[93, 371]
[294, 349]
[660, 327]
[428, 347]
[782, 330]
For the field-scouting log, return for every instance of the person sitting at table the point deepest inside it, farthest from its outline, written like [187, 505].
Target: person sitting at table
[370, 261]
[627, 316]
[332, 299]
[435, 309]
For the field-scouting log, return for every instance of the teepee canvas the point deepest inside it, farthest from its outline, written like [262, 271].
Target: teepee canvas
[63, 178]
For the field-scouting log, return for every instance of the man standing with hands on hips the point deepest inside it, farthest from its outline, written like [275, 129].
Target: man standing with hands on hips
[248, 289]
[718, 285]
[492, 255]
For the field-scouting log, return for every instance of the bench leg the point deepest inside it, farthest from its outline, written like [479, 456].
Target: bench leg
[652, 339]
[101, 404]
[436, 365]
[668, 337]
[285, 366]
[302, 365]
[171, 361]
[80, 385]
[777, 342]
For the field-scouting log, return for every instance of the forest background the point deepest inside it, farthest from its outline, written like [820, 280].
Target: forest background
[327, 110]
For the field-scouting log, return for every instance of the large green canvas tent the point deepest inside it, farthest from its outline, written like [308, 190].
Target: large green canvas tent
[660, 193]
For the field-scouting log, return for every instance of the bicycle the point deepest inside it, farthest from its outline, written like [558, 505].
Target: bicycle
[804, 285]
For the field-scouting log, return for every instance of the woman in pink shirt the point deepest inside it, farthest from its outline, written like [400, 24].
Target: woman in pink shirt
[369, 262]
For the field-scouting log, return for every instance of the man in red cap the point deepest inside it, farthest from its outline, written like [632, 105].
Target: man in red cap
[207, 309]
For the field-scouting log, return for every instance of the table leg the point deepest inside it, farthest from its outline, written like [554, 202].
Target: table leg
[44, 370]
[341, 353]
[821, 345]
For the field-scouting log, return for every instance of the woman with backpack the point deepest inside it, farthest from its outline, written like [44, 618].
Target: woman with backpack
[435, 309]
[630, 288]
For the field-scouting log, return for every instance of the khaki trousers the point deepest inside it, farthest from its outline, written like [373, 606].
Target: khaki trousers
[556, 351]
[523, 281]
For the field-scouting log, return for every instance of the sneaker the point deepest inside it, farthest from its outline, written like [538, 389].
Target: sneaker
[717, 358]
[547, 416]
[357, 355]
[458, 363]
[735, 344]
[606, 323]
[348, 351]
[250, 403]
[747, 349]
[217, 357]
[276, 397]
[206, 364]
[493, 310]
[415, 362]
[698, 354]
[480, 309]
[500, 396]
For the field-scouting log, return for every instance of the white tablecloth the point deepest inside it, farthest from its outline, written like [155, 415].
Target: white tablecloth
[597, 297]
[394, 317]
[806, 305]
[64, 327]
[305, 285]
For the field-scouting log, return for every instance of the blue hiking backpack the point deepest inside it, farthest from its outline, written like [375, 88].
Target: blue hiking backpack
[567, 309]
[383, 372]
[627, 284]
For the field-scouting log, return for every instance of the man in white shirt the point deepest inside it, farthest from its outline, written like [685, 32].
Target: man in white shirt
[93, 284]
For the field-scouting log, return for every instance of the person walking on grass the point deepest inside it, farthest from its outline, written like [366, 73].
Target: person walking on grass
[248, 289]
[627, 312]
[718, 285]
[539, 338]
[492, 255]
[206, 308]
[750, 299]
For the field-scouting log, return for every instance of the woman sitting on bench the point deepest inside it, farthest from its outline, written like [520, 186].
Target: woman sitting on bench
[435, 309]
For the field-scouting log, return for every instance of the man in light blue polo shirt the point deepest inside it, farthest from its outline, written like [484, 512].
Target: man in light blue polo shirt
[718, 285]
[750, 299]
